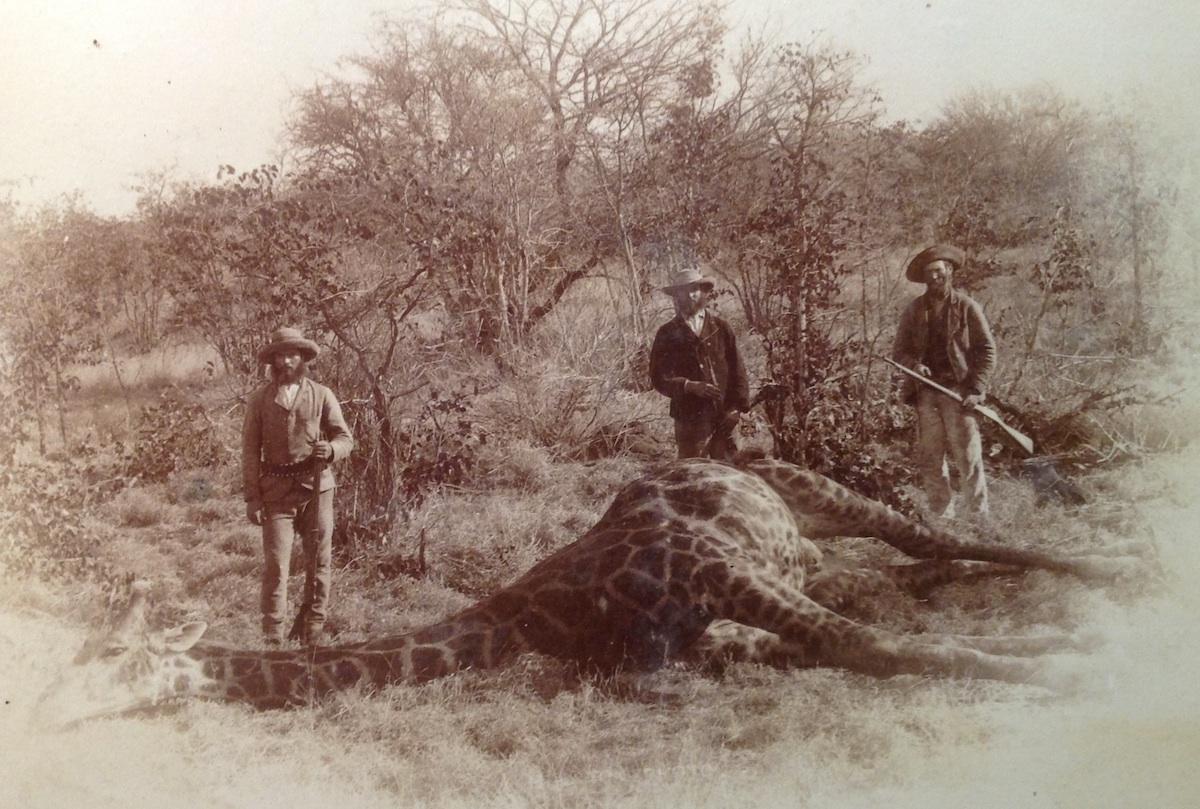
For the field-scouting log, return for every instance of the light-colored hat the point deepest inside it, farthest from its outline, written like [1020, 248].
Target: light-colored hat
[685, 278]
[937, 252]
[288, 338]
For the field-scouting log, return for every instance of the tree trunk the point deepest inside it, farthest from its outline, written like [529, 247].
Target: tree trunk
[1139, 314]
[61, 396]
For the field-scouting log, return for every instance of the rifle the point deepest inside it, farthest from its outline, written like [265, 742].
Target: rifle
[1022, 440]
[299, 630]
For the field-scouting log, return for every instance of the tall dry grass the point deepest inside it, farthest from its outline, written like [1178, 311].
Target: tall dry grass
[534, 735]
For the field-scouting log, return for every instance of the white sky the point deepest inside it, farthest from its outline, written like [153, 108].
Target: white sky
[93, 93]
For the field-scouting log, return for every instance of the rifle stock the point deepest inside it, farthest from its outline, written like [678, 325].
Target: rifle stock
[299, 630]
[1022, 440]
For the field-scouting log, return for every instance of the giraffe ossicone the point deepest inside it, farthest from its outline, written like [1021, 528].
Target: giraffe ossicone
[697, 560]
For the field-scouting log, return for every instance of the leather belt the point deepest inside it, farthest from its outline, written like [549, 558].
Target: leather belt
[289, 470]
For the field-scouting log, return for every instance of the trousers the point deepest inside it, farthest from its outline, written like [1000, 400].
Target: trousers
[704, 436]
[296, 512]
[948, 432]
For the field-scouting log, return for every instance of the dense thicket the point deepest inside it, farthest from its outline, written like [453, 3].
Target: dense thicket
[455, 185]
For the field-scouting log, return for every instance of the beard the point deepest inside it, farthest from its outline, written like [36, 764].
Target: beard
[284, 376]
[939, 293]
[688, 307]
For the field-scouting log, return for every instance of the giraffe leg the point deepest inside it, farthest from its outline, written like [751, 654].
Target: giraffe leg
[810, 635]
[1018, 646]
[840, 589]
[726, 642]
[824, 508]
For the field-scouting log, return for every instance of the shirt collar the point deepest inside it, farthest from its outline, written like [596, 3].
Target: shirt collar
[695, 322]
[285, 398]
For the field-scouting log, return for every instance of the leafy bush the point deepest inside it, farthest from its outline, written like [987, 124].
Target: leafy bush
[836, 441]
[440, 446]
[173, 435]
[380, 482]
[42, 527]
[43, 531]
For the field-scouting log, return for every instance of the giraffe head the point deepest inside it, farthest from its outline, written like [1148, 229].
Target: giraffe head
[123, 667]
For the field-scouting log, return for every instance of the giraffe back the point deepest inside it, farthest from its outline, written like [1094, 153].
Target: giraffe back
[627, 593]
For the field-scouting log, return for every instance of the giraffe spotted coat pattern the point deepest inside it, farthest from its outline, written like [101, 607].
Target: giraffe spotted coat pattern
[697, 560]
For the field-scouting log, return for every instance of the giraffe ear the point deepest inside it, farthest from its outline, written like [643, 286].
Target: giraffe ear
[182, 638]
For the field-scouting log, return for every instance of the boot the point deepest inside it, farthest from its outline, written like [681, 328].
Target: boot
[314, 634]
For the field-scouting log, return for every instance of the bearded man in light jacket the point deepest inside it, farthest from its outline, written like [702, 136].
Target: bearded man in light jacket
[945, 336]
[292, 424]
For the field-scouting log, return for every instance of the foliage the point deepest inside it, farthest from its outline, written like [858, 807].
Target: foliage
[171, 436]
[440, 446]
[798, 235]
[454, 187]
[43, 527]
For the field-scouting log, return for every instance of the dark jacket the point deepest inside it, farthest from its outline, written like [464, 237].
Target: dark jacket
[679, 355]
[970, 347]
[274, 434]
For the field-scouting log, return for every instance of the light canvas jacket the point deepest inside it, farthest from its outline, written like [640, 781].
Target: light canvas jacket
[274, 433]
[970, 346]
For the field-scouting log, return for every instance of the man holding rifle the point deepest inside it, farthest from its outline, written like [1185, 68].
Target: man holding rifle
[944, 337]
[293, 430]
[695, 362]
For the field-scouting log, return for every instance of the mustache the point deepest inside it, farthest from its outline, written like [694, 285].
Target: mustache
[300, 370]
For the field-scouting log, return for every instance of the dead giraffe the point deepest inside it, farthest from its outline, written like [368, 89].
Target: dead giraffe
[698, 559]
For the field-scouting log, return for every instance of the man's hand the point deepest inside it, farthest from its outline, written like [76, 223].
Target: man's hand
[254, 512]
[971, 401]
[922, 369]
[703, 390]
[322, 450]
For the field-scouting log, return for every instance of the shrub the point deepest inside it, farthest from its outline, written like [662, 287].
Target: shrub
[139, 508]
[441, 446]
[572, 415]
[516, 465]
[43, 531]
[394, 468]
[173, 435]
[835, 439]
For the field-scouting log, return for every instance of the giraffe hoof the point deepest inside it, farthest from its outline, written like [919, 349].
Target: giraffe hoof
[1065, 677]
[1133, 548]
[1086, 641]
[1109, 568]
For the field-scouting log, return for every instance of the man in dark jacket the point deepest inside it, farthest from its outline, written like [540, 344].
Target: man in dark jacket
[944, 335]
[695, 362]
[291, 425]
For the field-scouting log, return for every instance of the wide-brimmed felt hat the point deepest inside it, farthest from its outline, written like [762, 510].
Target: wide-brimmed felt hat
[288, 338]
[685, 278]
[937, 252]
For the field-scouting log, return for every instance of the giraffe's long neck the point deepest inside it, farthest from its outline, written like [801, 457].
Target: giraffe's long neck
[470, 639]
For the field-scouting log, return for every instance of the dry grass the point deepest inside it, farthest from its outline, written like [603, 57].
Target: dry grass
[165, 366]
[530, 735]
[533, 735]
[141, 508]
